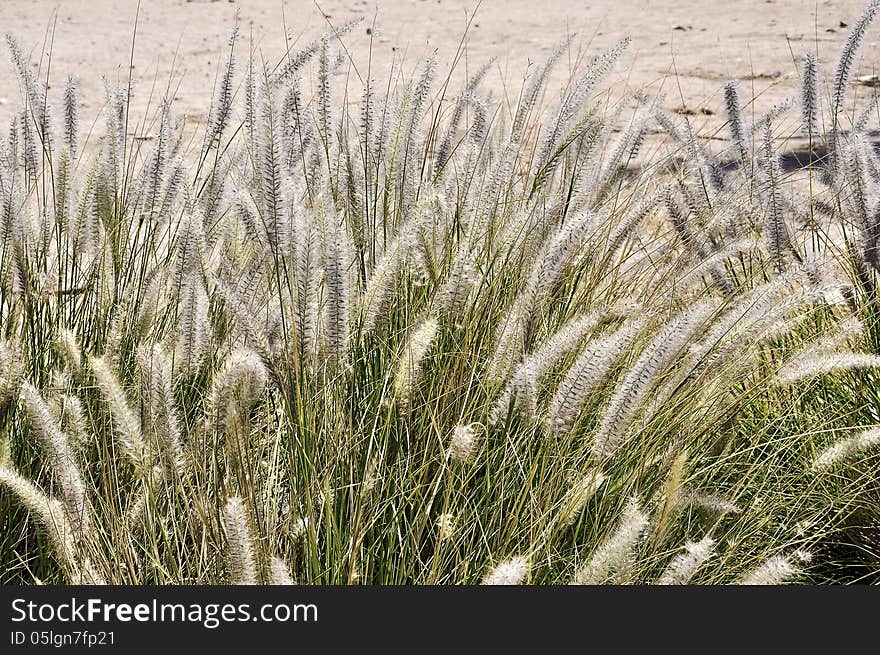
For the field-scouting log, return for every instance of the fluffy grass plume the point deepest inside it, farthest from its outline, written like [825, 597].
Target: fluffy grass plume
[685, 565]
[846, 449]
[240, 544]
[612, 559]
[777, 570]
[509, 572]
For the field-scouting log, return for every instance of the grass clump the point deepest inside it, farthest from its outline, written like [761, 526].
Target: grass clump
[437, 339]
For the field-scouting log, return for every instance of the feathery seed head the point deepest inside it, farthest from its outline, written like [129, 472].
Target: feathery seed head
[508, 572]
[810, 97]
[70, 350]
[280, 574]
[811, 365]
[299, 528]
[579, 495]
[409, 366]
[685, 565]
[61, 458]
[125, 424]
[51, 517]
[846, 449]
[71, 115]
[464, 442]
[612, 559]
[238, 385]
[776, 570]
[240, 547]
[710, 502]
[11, 371]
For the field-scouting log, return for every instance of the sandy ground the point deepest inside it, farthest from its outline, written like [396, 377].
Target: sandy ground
[684, 49]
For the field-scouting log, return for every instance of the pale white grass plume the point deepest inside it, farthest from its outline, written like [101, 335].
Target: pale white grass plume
[509, 572]
[70, 350]
[71, 116]
[630, 392]
[464, 443]
[158, 405]
[279, 572]
[50, 515]
[801, 368]
[776, 570]
[848, 57]
[61, 457]
[453, 295]
[238, 384]
[338, 287]
[126, 426]
[523, 386]
[73, 420]
[684, 565]
[710, 502]
[577, 497]
[810, 98]
[193, 332]
[408, 370]
[611, 561]
[587, 374]
[239, 543]
[846, 449]
[736, 122]
[446, 525]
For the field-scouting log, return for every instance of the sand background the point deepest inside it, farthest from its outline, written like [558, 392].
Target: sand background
[683, 49]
